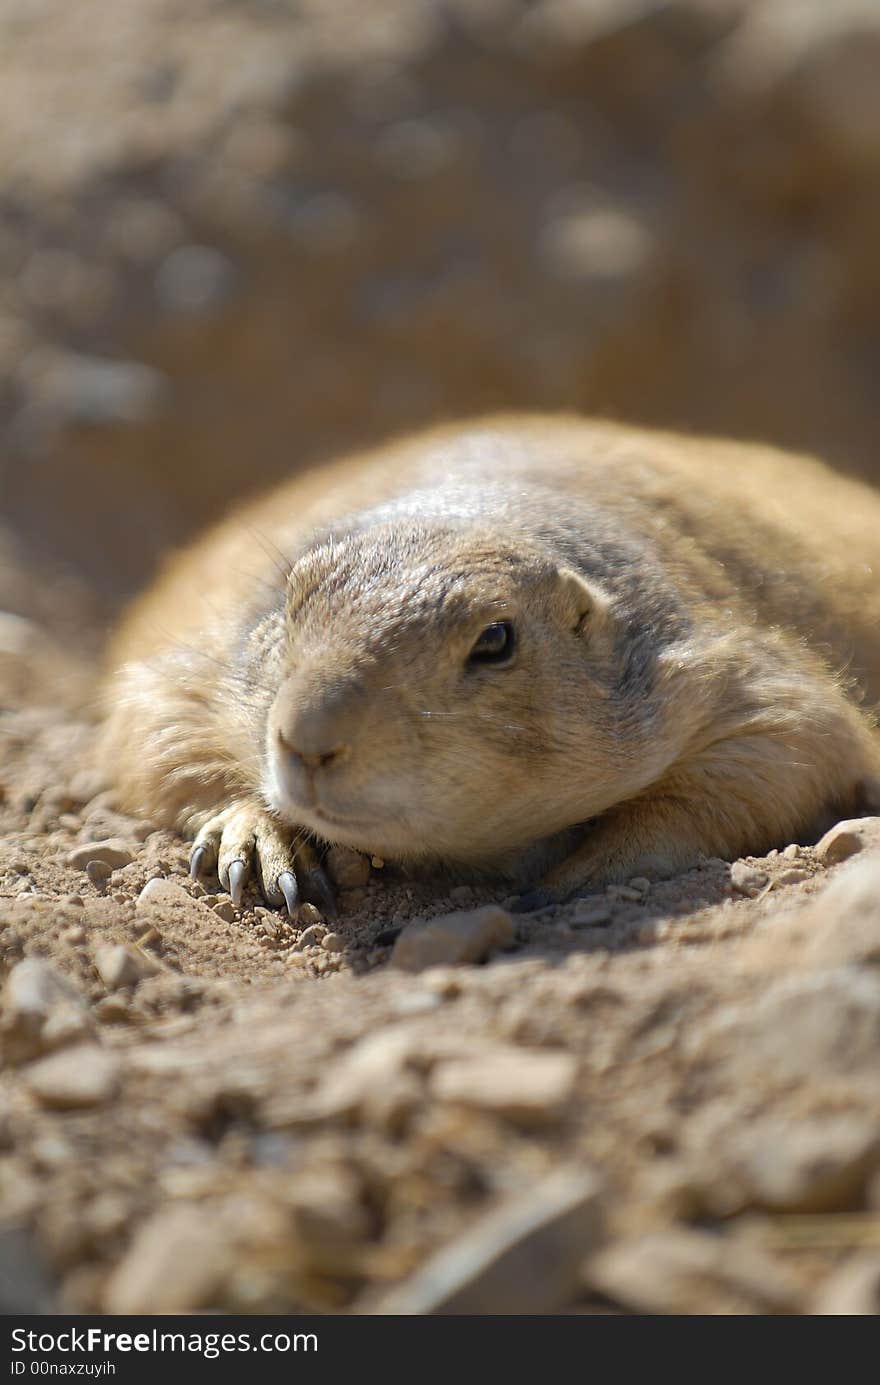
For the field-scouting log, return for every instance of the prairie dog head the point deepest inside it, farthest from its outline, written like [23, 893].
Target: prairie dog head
[441, 694]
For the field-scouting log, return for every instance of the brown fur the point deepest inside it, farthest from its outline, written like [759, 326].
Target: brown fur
[698, 651]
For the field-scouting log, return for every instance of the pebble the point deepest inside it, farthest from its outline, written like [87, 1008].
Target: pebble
[78, 1077]
[453, 939]
[416, 1003]
[791, 852]
[847, 839]
[309, 915]
[120, 966]
[589, 913]
[312, 936]
[42, 1010]
[348, 869]
[176, 1264]
[691, 1272]
[112, 853]
[624, 892]
[522, 1258]
[162, 892]
[225, 910]
[99, 874]
[746, 879]
[529, 1087]
[793, 877]
[368, 1068]
[333, 942]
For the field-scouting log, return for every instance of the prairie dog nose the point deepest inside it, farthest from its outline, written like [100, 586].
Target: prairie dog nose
[316, 759]
[318, 726]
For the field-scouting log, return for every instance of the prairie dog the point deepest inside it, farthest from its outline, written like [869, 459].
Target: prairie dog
[551, 649]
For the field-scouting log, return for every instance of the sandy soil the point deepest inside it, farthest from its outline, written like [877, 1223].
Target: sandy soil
[242, 243]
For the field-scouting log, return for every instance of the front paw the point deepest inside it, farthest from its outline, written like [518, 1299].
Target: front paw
[244, 838]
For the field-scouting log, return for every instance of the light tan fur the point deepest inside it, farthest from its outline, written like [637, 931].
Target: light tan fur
[698, 653]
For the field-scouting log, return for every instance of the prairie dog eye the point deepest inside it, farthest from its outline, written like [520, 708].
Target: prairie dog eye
[495, 645]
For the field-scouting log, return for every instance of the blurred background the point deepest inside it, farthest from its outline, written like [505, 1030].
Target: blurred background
[237, 236]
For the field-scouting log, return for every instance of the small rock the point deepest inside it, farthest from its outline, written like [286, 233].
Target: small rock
[176, 1264]
[162, 892]
[348, 869]
[377, 862]
[309, 916]
[791, 852]
[312, 936]
[120, 966]
[368, 1068]
[42, 1010]
[79, 1077]
[691, 1272]
[640, 883]
[225, 910]
[98, 874]
[590, 913]
[523, 1258]
[847, 839]
[112, 853]
[625, 892]
[793, 877]
[333, 942]
[746, 879]
[527, 1086]
[453, 939]
[851, 1290]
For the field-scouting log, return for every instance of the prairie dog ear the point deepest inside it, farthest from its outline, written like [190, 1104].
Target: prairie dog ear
[582, 605]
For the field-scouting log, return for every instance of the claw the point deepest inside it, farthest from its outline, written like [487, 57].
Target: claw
[287, 884]
[322, 891]
[237, 873]
[197, 862]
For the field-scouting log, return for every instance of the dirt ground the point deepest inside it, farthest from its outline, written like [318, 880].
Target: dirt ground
[258, 233]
